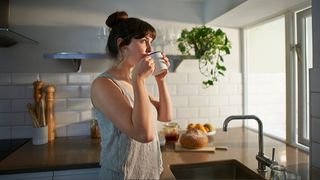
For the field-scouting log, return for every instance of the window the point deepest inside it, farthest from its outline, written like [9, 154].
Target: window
[303, 49]
[277, 59]
[266, 78]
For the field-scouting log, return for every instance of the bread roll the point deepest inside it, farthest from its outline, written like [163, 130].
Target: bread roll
[193, 139]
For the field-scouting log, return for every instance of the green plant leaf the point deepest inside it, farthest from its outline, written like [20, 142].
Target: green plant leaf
[208, 46]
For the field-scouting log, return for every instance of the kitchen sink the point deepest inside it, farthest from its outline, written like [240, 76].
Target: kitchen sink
[227, 169]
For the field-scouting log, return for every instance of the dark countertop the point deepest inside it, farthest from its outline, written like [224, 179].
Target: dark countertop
[7, 146]
[84, 152]
[60, 154]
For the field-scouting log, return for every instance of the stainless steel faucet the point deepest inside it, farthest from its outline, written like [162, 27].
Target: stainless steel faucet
[263, 161]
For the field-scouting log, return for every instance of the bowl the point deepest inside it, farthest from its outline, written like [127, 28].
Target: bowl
[211, 133]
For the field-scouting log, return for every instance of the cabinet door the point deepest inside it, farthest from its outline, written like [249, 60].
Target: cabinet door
[28, 176]
[77, 174]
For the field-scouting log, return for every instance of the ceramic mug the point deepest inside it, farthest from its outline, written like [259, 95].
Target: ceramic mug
[159, 63]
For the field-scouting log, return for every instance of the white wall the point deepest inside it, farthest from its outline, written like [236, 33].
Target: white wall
[73, 26]
[68, 26]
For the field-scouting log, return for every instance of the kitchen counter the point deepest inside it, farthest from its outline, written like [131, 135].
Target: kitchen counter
[59, 154]
[84, 152]
[242, 145]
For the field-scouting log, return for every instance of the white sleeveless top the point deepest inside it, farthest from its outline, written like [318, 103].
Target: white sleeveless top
[122, 155]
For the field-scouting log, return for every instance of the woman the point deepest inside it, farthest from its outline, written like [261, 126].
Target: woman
[125, 111]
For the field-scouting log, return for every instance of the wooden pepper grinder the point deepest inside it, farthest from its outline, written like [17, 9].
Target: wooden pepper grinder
[49, 111]
[37, 95]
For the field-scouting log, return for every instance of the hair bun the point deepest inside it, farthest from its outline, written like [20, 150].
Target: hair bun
[115, 18]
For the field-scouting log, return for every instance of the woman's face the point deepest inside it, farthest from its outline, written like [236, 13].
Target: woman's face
[139, 48]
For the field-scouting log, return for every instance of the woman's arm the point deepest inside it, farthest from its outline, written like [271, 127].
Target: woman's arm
[164, 104]
[135, 121]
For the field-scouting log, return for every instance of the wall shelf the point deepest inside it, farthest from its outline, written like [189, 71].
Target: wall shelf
[76, 57]
[175, 61]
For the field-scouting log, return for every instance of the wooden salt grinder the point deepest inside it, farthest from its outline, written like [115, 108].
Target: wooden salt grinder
[37, 95]
[49, 111]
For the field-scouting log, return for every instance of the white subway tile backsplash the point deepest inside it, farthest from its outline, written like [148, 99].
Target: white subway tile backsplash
[24, 78]
[219, 100]
[187, 89]
[229, 110]
[21, 132]
[191, 103]
[5, 78]
[67, 117]
[195, 78]
[29, 92]
[86, 116]
[226, 89]
[5, 106]
[151, 90]
[150, 81]
[5, 132]
[177, 78]
[234, 78]
[28, 119]
[179, 101]
[72, 91]
[188, 65]
[208, 112]
[85, 91]
[79, 129]
[60, 105]
[20, 105]
[187, 112]
[12, 119]
[54, 78]
[78, 104]
[14, 92]
[79, 78]
[198, 101]
[235, 100]
[61, 130]
[208, 91]
[213, 112]
[172, 89]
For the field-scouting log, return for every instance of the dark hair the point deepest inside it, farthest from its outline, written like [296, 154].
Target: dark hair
[126, 28]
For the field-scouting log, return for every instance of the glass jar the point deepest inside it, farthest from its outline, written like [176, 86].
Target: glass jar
[171, 131]
[94, 128]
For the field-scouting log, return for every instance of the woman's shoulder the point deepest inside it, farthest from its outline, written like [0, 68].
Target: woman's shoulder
[105, 82]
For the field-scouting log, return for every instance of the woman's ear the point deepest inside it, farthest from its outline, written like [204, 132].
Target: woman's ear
[119, 41]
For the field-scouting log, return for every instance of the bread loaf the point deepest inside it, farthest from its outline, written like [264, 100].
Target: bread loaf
[193, 139]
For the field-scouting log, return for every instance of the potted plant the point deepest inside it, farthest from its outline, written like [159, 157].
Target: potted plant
[209, 47]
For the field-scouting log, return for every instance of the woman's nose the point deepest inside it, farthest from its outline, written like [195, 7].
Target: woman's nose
[149, 47]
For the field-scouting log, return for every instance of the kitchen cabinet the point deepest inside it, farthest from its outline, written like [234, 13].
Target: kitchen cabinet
[74, 174]
[28, 176]
[77, 174]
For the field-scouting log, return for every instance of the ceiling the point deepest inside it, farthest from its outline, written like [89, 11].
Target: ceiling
[253, 11]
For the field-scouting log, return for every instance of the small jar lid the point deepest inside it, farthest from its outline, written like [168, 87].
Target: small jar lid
[171, 125]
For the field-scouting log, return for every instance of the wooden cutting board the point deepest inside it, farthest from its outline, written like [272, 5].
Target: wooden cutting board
[209, 148]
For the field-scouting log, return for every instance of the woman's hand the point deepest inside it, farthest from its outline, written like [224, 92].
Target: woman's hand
[144, 68]
[163, 74]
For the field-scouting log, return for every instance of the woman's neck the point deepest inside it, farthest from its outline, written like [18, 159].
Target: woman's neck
[122, 72]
